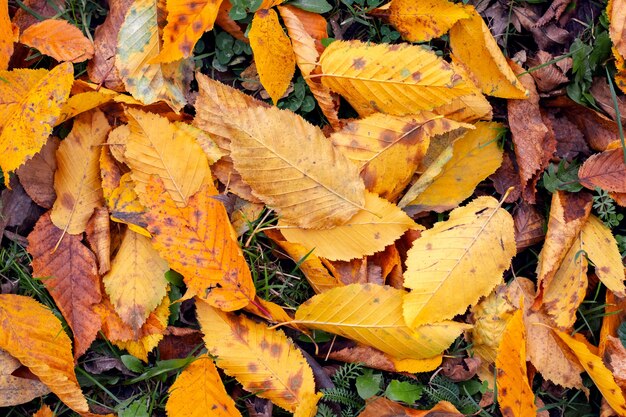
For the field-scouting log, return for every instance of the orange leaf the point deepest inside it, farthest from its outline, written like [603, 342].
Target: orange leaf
[70, 274]
[229, 25]
[34, 336]
[199, 389]
[606, 170]
[58, 39]
[383, 407]
[515, 394]
[199, 242]
[8, 35]
[273, 54]
[44, 411]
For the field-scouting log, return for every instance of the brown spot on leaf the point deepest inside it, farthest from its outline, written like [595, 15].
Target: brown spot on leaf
[262, 13]
[252, 367]
[590, 365]
[67, 200]
[416, 76]
[276, 350]
[358, 63]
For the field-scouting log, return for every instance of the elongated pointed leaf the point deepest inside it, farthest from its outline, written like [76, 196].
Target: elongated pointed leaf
[601, 248]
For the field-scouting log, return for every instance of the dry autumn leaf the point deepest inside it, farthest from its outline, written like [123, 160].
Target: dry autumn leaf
[15, 390]
[606, 170]
[10, 33]
[59, 40]
[383, 407]
[421, 21]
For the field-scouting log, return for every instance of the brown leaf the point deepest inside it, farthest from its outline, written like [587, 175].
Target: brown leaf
[37, 175]
[554, 12]
[179, 343]
[460, 369]
[16, 208]
[549, 76]
[606, 170]
[529, 226]
[99, 238]
[69, 273]
[355, 271]
[615, 359]
[545, 36]
[15, 390]
[602, 94]
[570, 141]
[505, 177]
[47, 9]
[383, 407]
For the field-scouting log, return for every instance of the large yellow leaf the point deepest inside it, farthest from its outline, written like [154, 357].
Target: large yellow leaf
[388, 149]
[379, 224]
[137, 43]
[199, 242]
[601, 376]
[264, 361]
[273, 54]
[473, 45]
[159, 148]
[199, 389]
[515, 395]
[372, 315]
[601, 248]
[8, 36]
[187, 20]
[30, 104]
[396, 79]
[475, 156]
[136, 283]
[288, 163]
[419, 21]
[59, 39]
[458, 261]
[77, 179]
[34, 336]
[15, 390]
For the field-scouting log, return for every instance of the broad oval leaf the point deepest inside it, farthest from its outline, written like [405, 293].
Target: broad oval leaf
[419, 21]
[396, 79]
[372, 315]
[58, 39]
[458, 261]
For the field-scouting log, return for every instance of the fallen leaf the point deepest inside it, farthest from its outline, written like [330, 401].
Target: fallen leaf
[13, 389]
[424, 20]
[10, 34]
[570, 141]
[383, 407]
[224, 21]
[37, 174]
[606, 170]
[125, 206]
[448, 254]
[529, 226]
[44, 411]
[460, 369]
[58, 39]
[505, 177]
[601, 93]
[616, 12]
[374, 358]
[356, 271]
[98, 233]
[546, 74]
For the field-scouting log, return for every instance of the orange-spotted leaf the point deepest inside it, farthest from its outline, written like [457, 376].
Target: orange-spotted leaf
[34, 336]
[199, 242]
[264, 361]
[8, 36]
[419, 21]
[58, 39]
[30, 104]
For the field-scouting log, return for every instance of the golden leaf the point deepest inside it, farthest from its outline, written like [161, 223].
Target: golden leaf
[601, 248]
[15, 390]
[44, 411]
[9, 35]
[58, 39]
[426, 19]
[136, 283]
[199, 242]
[515, 395]
[379, 224]
[159, 148]
[397, 79]
[273, 54]
[457, 261]
[264, 361]
[126, 208]
[34, 336]
[77, 179]
[30, 105]
[372, 315]
[616, 12]
[475, 156]
[199, 389]
[288, 163]
[473, 45]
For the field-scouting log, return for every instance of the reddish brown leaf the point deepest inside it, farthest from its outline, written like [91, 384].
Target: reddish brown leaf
[70, 274]
[45, 8]
[570, 141]
[606, 170]
[549, 76]
[505, 177]
[382, 407]
[179, 342]
[602, 94]
[224, 21]
[529, 226]
[37, 174]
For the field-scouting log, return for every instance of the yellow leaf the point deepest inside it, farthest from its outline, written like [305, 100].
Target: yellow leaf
[199, 389]
[137, 43]
[9, 35]
[475, 156]
[136, 283]
[125, 206]
[159, 148]
[264, 361]
[372, 315]
[82, 102]
[379, 224]
[601, 248]
[34, 336]
[273, 54]
[388, 149]
[396, 79]
[199, 242]
[58, 39]
[616, 11]
[425, 19]
[601, 376]
[473, 45]
[30, 104]
[288, 163]
[515, 395]
[77, 179]
[15, 390]
[458, 261]
[187, 20]
[208, 145]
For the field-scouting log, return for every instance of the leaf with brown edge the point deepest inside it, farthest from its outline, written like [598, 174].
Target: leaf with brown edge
[427, 19]
[515, 394]
[395, 79]
[374, 358]
[383, 407]
[37, 175]
[198, 242]
[300, 166]
[601, 376]
[34, 336]
[58, 39]
[272, 52]
[10, 33]
[30, 105]
[264, 361]
[77, 180]
[199, 389]
[126, 208]
[372, 315]
[69, 272]
[15, 390]
[606, 170]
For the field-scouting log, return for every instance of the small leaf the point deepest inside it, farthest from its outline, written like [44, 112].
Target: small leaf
[403, 391]
[313, 6]
[368, 384]
[58, 39]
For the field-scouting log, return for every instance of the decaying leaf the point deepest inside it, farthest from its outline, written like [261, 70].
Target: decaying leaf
[606, 170]
[374, 358]
[424, 20]
[529, 226]
[37, 175]
[476, 244]
[383, 407]
[15, 390]
[58, 39]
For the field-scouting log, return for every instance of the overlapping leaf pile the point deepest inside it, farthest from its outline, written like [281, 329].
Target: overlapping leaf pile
[138, 187]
